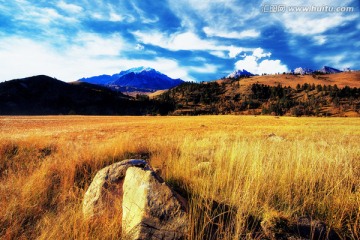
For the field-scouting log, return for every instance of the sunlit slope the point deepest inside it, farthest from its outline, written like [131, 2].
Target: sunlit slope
[351, 79]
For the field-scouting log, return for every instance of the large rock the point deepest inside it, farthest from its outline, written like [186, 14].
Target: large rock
[132, 190]
[107, 186]
[151, 210]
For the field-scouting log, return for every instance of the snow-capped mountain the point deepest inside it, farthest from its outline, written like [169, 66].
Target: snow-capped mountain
[133, 70]
[239, 73]
[98, 80]
[325, 69]
[328, 70]
[138, 78]
[303, 71]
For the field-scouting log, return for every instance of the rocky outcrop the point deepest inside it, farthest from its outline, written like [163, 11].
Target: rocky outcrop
[150, 209]
[108, 186]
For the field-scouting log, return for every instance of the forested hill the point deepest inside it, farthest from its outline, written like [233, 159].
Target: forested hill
[43, 95]
[241, 96]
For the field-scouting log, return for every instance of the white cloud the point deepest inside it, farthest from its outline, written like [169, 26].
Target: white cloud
[305, 25]
[217, 14]
[43, 15]
[206, 68]
[24, 57]
[313, 23]
[320, 39]
[249, 63]
[219, 54]
[200, 59]
[116, 14]
[186, 41]
[332, 60]
[139, 47]
[92, 55]
[115, 17]
[271, 67]
[254, 65]
[259, 53]
[143, 14]
[234, 51]
[94, 45]
[28, 14]
[252, 33]
[97, 15]
[71, 8]
[100, 10]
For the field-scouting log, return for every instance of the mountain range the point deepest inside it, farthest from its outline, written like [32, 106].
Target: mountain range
[148, 80]
[137, 79]
[324, 70]
[300, 70]
[43, 95]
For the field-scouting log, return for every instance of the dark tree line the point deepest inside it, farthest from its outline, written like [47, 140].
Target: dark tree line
[214, 98]
[280, 100]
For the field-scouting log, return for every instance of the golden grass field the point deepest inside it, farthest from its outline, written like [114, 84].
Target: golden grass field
[311, 169]
[351, 79]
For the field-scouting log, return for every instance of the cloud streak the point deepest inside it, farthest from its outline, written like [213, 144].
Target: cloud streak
[70, 8]
[187, 41]
[252, 33]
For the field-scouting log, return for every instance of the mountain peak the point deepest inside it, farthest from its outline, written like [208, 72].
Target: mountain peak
[138, 77]
[327, 70]
[135, 70]
[302, 71]
[239, 73]
[139, 69]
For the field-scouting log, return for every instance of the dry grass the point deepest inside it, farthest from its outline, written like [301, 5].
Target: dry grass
[311, 169]
[351, 79]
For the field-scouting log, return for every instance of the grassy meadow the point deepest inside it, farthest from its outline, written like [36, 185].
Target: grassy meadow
[233, 173]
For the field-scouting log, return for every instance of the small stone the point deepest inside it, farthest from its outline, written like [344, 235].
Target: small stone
[274, 138]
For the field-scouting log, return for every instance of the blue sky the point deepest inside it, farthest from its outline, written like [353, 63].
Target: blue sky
[189, 39]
